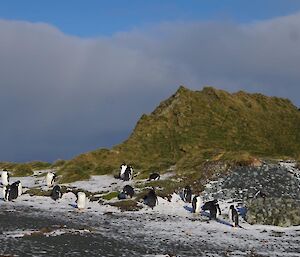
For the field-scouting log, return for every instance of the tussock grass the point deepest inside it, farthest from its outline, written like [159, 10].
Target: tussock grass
[127, 205]
[24, 169]
[110, 196]
[38, 192]
[193, 127]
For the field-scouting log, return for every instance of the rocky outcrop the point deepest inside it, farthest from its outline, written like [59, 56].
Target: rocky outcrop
[244, 182]
[270, 193]
[282, 212]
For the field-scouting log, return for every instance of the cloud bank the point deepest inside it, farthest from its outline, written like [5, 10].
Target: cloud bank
[62, 95]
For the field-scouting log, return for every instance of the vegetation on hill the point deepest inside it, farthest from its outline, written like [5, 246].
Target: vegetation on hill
[25, 169]
[193, 127]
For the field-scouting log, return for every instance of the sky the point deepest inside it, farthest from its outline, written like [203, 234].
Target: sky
[77, 75]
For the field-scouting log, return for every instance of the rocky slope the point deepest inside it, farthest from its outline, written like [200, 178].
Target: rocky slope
[279, 201]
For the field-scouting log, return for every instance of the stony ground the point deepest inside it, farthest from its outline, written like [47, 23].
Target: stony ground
[41, 227]
[244, 182]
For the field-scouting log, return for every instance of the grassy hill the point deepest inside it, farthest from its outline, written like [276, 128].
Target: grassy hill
[193, 127]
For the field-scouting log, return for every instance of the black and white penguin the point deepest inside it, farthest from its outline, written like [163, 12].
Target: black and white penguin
[81, 200]
[50, 179]
[151, 199]
[213, 208]
[11, 192]
[187, 194]
[196, 204]
[19, 186]
[154, 176]
[128, 174]
[5, 177]
[128, 191]
[233, 216]
[56, 193]
[123, 167]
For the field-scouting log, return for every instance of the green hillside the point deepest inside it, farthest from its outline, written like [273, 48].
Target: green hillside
[193, 127]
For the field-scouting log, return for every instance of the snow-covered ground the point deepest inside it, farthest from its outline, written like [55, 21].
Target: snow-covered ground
[171, 224]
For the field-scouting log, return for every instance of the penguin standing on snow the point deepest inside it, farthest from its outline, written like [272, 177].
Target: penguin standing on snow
[56, 193]
[123, 167]
[81, 200]
[128, 174]
[196, 203]
[213, 208]
[19, 186]
[154, 176]
[187, 194]
[233, 216]
[5, 177]
[50, 179]
[151, 199]
[11, 192]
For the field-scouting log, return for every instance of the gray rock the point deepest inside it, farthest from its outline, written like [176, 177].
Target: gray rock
[282, 212]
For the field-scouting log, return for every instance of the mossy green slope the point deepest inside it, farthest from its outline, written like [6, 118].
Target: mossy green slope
[193, 126]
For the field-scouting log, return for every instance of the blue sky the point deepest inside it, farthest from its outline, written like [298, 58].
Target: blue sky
[78, 75]
[94, 18]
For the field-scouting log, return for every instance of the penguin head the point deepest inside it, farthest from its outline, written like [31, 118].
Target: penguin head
[231, 207]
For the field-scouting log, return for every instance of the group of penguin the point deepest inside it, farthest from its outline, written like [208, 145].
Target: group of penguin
[212, 206]
[57, 194]
[11, 192]
[126, 174]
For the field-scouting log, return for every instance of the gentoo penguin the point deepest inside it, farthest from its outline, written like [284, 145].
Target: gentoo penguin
[5, 177]
[196, 204]
[11, 192]
[187, 194]
[233, 216]
[122, 170]
[154, 176]
[213, 208]
[50, 178]
[81, 200]
[19, 186]
[151, 199]
[128, 191]
[128, 174]
[56, 193]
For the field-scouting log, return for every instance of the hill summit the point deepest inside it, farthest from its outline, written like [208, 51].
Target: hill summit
[193, 127]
